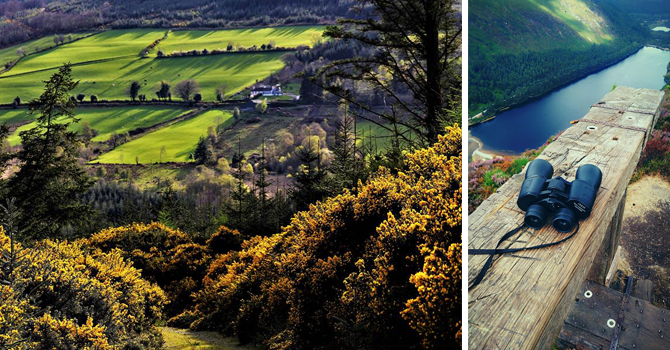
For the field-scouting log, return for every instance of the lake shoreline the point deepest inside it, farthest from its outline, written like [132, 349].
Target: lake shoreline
[547, 114]
[478, 152]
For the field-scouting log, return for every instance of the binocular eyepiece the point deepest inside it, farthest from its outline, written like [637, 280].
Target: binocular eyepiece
[541, 195]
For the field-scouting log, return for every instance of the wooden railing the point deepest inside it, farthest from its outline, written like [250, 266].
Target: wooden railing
[525, 297]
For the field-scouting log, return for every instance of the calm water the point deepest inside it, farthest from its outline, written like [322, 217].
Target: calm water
[530, 125]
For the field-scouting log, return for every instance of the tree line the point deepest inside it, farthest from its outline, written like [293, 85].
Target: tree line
[26, 23]
[503, 80]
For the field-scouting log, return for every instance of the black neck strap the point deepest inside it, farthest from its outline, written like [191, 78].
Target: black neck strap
[496, 251]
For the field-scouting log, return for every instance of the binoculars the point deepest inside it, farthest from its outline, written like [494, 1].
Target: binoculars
[541, 195]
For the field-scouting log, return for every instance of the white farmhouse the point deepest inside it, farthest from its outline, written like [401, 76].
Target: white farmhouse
[265, 90]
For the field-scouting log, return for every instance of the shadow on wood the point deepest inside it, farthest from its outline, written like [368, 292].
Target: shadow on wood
[645, 326]
[525, 297]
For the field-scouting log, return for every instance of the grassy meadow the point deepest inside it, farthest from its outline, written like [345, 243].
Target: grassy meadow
[106, 63]
[179, 140]
[110, 80]
[9, 54]
[103, 46]
[218, 39]
[105, 120]
[14, 116]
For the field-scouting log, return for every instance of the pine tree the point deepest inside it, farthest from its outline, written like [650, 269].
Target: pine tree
[50, 180]
[347, 166]
[203, 152]
[239, 194]
[262, 183]
[310, 177]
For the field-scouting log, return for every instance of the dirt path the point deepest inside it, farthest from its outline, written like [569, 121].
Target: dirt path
[645, 235]
[184, 339]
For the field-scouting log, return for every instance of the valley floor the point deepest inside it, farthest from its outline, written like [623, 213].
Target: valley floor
[184, 339]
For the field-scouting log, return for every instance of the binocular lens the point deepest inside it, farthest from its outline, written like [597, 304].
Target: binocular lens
[537, 174]
[535, 216]
[564, 220]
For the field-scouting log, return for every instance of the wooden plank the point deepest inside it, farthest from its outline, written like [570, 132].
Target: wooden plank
[613, 266]
[524, 298]
[605, 255]
[644, 290]
[645, 326]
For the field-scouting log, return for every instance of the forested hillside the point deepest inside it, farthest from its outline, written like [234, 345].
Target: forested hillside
[526, 48]
[24, 20]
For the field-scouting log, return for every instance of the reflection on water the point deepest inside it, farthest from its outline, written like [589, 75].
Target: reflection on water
[531, 124]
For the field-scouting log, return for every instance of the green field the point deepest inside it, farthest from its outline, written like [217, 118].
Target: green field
[106, 45]
[179, 140]
[516, 25]
[106, 64]
[219, 39]
[105, 120]
[9, 54]
[371, 135]
[14, 116]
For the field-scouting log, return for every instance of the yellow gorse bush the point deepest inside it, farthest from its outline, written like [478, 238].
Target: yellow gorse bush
[164, 255]
[379, 268]
[61, 297]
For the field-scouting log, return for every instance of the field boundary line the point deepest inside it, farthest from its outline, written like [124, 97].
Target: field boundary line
[85, 63]
[15, 62]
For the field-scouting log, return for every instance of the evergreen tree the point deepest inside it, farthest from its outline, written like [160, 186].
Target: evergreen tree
[347, 166]
[418, 41]
[262, 183]
[47, 186]
[239, 194]
[203, 152]
[310, 177]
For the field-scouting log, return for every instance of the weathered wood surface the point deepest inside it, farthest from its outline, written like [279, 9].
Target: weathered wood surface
[586, 326]
[608, 248]
[644, 290]
[613, 266]
[525, 297]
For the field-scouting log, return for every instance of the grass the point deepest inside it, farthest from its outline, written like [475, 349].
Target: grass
[9, 54]
[251, 135]
[14, 116]
[182, 339]
[105, 120]
[105, 45]
[110, 80]
[219, 39]
[106, 63]
[516, 25]
[373, 135]
[179, 140]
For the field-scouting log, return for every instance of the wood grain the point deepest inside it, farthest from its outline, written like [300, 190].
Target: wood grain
[645, 326]
[525, 297]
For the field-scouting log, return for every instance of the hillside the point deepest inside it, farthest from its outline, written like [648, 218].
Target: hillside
[536, 25]
[525, 48]
[24, 20]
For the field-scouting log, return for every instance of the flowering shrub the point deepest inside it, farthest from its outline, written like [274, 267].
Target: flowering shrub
[485, 177]
[377, 269]
[165, 256]
[60, 297]
[655, 158]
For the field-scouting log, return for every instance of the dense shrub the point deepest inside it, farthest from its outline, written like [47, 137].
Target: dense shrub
[655, 157]
[165, 256]
[57, 296]
[485, 177]
[377, 269]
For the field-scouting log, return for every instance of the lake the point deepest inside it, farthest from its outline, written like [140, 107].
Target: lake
[531, 124]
